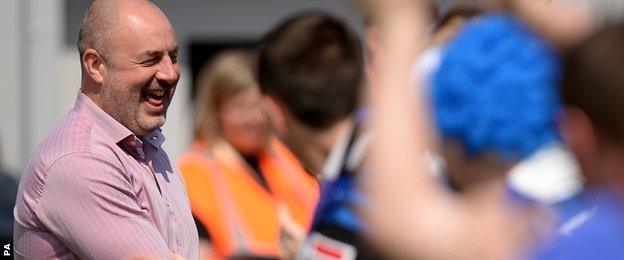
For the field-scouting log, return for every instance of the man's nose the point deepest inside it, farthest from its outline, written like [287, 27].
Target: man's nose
[169, 72]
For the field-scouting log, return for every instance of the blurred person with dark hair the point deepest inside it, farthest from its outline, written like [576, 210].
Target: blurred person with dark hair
[434, 223]
[593, 95]
[100, 186]
[310, 69]
[548, 175]
[494, 102]
[247, 190]
[590, 90]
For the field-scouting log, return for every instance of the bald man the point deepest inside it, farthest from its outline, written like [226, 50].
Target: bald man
[100, 186]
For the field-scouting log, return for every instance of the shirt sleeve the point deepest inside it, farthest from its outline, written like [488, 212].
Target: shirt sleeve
[90, 205]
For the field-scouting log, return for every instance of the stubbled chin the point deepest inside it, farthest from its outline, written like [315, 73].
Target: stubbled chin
[151, 121]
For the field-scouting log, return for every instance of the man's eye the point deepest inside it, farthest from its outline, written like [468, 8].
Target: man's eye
[151, 61]
[174, 58]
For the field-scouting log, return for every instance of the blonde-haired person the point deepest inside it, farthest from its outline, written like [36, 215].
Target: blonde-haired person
[247, 190]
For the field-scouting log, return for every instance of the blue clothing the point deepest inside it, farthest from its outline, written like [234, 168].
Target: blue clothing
[600, 237]
[8, 191]
[337, 204]
[337, 230]
[340, 196]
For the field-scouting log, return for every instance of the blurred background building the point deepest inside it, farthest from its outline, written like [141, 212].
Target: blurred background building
[40, 73]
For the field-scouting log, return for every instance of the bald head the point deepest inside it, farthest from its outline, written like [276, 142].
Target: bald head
[128, 55]
[103, 16]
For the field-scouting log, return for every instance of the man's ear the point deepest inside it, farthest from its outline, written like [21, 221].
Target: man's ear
[276, 112]
[579, 134]
[94, 65]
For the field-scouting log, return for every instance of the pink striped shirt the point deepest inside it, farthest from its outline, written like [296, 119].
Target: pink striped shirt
[93, 190]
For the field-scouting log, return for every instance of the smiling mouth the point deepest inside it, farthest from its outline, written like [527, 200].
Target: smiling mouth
[155, 97]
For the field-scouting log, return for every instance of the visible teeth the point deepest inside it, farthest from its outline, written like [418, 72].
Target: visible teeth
[156, 92]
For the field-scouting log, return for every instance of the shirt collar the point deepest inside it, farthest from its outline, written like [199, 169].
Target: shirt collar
[155, 138]
[111, 127]
[334, 162]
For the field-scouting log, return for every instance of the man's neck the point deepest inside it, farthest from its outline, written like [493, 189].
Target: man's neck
[91, 92]
[316, 145]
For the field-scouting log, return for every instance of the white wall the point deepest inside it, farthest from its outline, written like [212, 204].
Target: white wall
[32, 40]
[9, 92]
[40, 56]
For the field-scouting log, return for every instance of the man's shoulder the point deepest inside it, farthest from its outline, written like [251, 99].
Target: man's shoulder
[73, 134]
[69, 139]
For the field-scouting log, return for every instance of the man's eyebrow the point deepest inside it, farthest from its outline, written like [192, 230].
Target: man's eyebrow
[152, 53]
[149, 54]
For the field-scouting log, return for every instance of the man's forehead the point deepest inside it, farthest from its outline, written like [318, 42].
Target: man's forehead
[141, 33]
[144, 19]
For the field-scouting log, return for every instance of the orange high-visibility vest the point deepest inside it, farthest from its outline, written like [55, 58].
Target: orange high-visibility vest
[239, 214]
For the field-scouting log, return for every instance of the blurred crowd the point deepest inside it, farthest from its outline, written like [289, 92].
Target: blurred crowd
[480, 120]
[458, 129]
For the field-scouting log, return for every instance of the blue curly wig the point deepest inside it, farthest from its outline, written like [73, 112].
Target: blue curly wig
[496, 89]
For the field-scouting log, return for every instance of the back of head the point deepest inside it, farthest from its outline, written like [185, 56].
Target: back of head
[226, 75]
[496, 89]
[96, 20]
[593, 81]
[313, 64]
